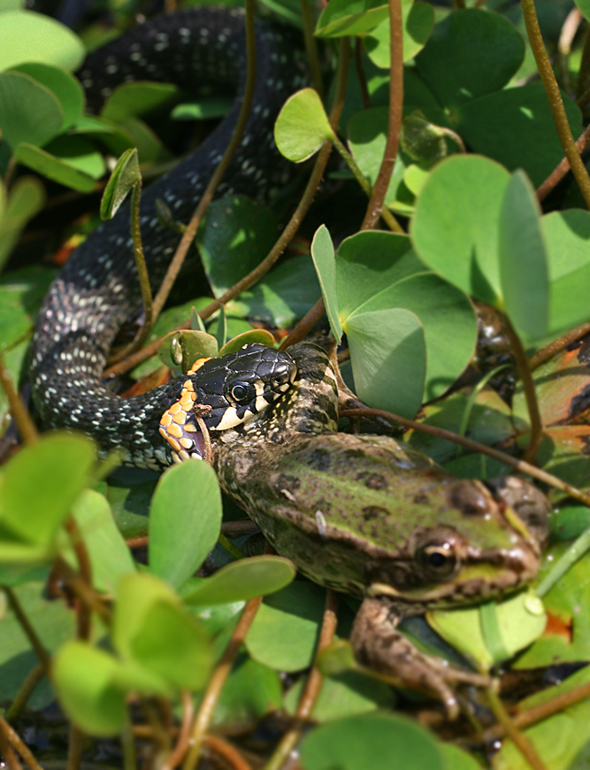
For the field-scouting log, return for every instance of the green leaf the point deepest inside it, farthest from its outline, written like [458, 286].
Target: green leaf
[180, 349]
[27, 36]
[234, 237]
[284, 633]
[455, 230]
[523, 259]
[322, 252]
[79, 153]
[38, 488]
[370, 740]
[110, 559]
[126, 175]
[260, 336]
[567, 237]
[584, 7]
[388, 354]
[350, 17]
[29, 111]
[137, 99]
[302, 126]
[243, 580]
[27, 197]
[151, 629]
[206, 108]
[417, 20]
[64, 86]
[53, 167]
[185, 520]
[221, 328]
[83, 677]
[470, 53]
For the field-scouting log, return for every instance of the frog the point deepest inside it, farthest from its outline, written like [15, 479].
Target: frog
[370, 516]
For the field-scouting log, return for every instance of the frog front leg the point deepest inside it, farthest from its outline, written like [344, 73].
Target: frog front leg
[381, 647]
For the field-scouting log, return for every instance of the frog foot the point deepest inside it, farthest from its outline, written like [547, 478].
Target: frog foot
[382, 648]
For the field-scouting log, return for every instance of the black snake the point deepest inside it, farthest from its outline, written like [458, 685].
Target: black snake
[98, 289]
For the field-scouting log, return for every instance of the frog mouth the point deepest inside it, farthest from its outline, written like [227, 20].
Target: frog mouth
[478, 576]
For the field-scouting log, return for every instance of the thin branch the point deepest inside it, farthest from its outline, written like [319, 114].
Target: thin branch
[311, 49]
[475, 446]
[286, 236]
[521, 741]
[26, 427]
[179, 751]
[312, 688]
[226, 751]
[360, 73]
[584, 71]
[302, 329]
[75, 748]
[220, 674]
[83, 611]
[18, 744]
[529, 391]
[555, 347]
[29, 631]
[26, 689]
[396, 98]
[8, 753]
[555, 101]
[564, 166]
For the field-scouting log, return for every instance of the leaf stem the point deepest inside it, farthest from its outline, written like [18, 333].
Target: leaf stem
[29, 631]
[396, 98]
[7, 751]
[522, 743]
[26, 689]
[564, 166]
[75, 748]
[24, 423]
[555, 347]
[576, 550]
[524, 372]
[83, 610]
[312, 688]
[475, 446]
[220, 674]
[18, 744]
[311, 48]
[128, 746]
[555, 101]
[193, 225]
[179, 751]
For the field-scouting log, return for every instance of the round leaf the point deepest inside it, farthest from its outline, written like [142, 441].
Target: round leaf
[350, 17]
[53, 168]
[322, 252]
[180, 350]
[260, 336]
[378, 741]
[243, 580]
[83, 677]
[185, 520]
[64, 86]
[388, 355]
[417, 20]
[523, 259]
[27, 36]
[302, 126]
[455, 230]
[29, 111]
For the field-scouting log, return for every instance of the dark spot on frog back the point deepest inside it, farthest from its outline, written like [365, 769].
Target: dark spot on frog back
[320, 460]
[290, 483]
[372, 480]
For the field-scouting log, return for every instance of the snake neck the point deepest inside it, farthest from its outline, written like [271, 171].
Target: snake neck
[98, 289]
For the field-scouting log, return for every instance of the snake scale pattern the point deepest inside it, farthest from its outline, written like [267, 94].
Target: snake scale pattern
[98, 288]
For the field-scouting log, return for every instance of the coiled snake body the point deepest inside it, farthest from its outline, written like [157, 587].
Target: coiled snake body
[98, 289]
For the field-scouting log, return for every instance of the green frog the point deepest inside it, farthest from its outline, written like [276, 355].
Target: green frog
[370, 516]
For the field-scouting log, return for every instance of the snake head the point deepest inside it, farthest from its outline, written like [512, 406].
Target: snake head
[227, 392]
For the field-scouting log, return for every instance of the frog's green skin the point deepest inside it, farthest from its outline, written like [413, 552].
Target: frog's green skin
[361, 514]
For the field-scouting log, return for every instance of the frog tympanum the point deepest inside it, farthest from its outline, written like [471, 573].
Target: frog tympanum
[370, 516]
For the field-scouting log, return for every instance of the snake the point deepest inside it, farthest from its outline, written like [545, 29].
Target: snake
[98, 289]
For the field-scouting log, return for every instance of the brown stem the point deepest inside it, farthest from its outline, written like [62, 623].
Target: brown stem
[220, 674]
[529, 391]
[84, 592]
[14, 739]
[83, 611]
[311, 49]
[304, 326]
[193, 225]
[521, 741]
[555, 101]
[285, 237]
[28, 629]
[182, 744]
[396, 98]
[312, 688]
[475, 446]
[555, 347]
[8, 752]
[584, 71]
[227, 752]
[26, 689]
[360, 73]
[26, 427]
[564, 166]
[75, 748]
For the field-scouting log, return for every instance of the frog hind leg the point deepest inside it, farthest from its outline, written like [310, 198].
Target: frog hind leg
[379, 646]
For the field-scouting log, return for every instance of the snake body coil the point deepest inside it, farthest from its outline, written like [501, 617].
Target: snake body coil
[98, 289]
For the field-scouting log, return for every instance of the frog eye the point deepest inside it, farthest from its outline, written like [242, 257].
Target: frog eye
[438, 560]
[242, 392]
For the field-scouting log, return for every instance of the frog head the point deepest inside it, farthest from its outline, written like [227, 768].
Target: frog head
[481, 550]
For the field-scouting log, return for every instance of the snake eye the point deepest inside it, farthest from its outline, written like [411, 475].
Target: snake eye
[438, 560]
[242, 392]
